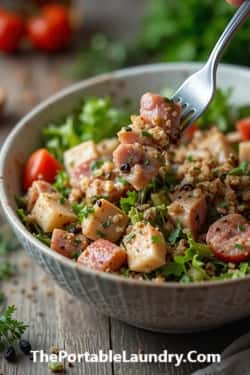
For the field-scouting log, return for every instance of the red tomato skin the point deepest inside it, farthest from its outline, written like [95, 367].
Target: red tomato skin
[52, 30]
[189, 133]
[243, 126]
[12, 30]
[40, 165]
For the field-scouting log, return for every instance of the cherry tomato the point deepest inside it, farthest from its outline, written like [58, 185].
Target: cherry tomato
[12, 30]
[189, 133]
[40, 165]
[243, 126]
[52, 30]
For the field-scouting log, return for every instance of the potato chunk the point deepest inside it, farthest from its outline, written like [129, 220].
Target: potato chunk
[37, 188]
[68, 244]
[103, 255]
[79, 154]
[217, 144]
[244, 151]
[49, 213]
[146, 248]
[190, 211]
[107, 221]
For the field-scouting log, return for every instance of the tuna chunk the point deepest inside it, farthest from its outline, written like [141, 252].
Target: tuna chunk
[160, 111]
[37, 188]
[98, 188]
[81, 171]
[79, 154]
[103, 255]
[190, 211]
[138, 164]
[68, 244]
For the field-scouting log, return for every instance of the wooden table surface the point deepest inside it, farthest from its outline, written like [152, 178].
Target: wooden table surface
[54, 317]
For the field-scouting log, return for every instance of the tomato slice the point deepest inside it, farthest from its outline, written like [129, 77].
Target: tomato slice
[243, 126]
[40, 165]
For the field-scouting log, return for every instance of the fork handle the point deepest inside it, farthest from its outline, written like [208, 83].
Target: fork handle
[236, 22]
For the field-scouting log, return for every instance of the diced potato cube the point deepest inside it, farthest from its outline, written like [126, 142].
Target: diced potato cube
[49, 213]
[107, 221]
[217, 144]
[244, 151]
[190, 211]
[68, 244]
[103, 255]
[79, 154]
[37, 188]
[107, 146]
[146, 248]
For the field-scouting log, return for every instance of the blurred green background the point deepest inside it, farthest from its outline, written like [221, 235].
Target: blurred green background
[160, 30]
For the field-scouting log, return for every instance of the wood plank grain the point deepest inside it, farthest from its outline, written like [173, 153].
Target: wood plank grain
[55, 319]
[133, 340]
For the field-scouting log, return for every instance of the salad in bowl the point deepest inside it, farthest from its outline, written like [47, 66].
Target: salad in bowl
[135, 196]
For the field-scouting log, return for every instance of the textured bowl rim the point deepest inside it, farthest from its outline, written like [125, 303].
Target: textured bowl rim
[17, 224]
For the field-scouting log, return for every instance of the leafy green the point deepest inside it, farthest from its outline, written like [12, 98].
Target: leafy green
[11, 329]
[175, 235]
[7, 270]
[241, 170]
[96, 119]
[62, 184]
[129, 201]
[134, 215]
[8, 242]
[242, 271]
[33, 227]
[103, 54]
[220, 112]
[177, 31]
[189, 266]
[82, 210]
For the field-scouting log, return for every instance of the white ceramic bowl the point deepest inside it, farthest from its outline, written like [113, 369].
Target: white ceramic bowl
[170, 307]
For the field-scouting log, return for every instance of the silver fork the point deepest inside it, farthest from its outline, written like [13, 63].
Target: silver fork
[196, 93]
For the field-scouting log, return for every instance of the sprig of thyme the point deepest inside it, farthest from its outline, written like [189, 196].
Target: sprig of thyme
[11, 329]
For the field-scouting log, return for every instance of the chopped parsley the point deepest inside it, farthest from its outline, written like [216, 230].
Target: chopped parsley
[81, 210]
[107, 223]
[146, 134]
[241, 170]
[239, 246]
[96, 164]
[129, 201]
[175, 235]
[156, 239]
[62, 184]
[100, 233]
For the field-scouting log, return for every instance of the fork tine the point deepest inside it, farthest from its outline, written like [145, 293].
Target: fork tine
[189, 120]
[187, 110]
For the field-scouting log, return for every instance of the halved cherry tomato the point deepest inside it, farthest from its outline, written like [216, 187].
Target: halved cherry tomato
[52, 30]
[40, 165]
[189, 133]
[12, 29]
[243, 126]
